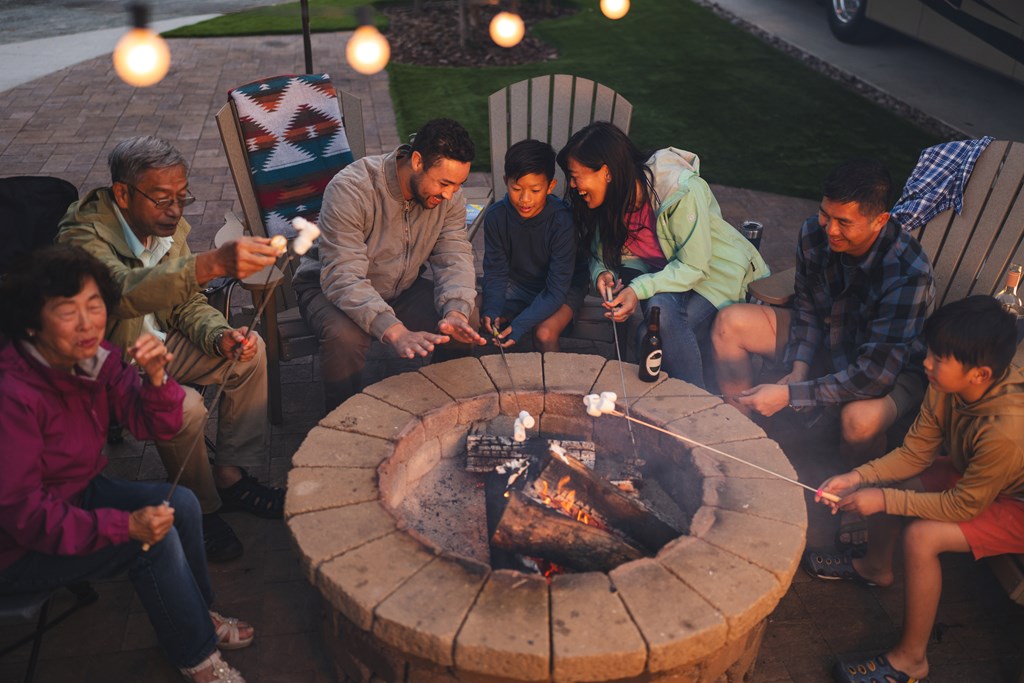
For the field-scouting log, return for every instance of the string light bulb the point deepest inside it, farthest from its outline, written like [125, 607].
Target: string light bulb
[507, 29]
[368, 51]
[614, 9]
[141, 57]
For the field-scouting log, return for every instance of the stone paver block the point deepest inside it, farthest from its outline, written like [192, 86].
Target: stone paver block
[325, 447]
[566, 404]
[530, 401]
[460, 378]
[324, 534]
[593, 637]
[414, 393]
[423, 616]
[761, 452]
[768, 498]
[399, 474]
[483, 407]
[319, 488]
[775, 546]
[453, 442]
[357, 581]
[526, 368]
[507, 632]
[742, 592]
[675, 621]
[611, 380]
[721, 424]
[567, 427]
[672, 399]
[364, 414]
[571, 373]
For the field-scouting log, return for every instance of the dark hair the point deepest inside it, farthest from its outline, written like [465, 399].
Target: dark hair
[443, 138]
[603, 144]
[864, 181]
[977, 331]
[47, 273]
[529, 156]
[134, 156]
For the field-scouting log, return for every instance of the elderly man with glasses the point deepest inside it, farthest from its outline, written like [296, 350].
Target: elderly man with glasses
[136, 228]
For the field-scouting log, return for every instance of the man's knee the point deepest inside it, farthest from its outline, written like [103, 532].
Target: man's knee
[193, 412]
[864, 421]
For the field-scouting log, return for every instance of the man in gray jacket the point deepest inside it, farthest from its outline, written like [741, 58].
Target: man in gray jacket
[384, 219]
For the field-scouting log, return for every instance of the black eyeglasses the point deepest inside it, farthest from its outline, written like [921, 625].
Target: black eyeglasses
[164, 204]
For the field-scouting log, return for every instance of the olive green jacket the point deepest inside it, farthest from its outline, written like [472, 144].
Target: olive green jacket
[169, 289]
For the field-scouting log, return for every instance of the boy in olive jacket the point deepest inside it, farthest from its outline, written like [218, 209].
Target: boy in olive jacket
[969, 500]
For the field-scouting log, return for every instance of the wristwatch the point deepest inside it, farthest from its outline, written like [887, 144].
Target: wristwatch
[218, 345]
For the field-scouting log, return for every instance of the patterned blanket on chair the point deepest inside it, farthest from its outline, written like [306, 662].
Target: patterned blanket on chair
[295, 141]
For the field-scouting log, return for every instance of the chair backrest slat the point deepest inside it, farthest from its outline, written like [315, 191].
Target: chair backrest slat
[548, 108]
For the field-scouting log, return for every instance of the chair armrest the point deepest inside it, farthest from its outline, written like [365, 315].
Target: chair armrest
[776, 289]
[481, 196]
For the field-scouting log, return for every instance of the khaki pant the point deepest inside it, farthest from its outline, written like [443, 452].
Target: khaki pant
[242, 426]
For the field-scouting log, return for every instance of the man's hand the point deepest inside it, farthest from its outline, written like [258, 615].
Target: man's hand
[498, 332]
[839, 485]
[456, 325]
[864, 502]
[150, 524]
[797, 374]
[238, 259]
[409, 344]
[766, 399]
[622, 306]
[150, 354]
[239, 344]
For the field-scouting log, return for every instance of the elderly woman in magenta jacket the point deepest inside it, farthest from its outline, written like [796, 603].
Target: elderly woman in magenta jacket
[61, 519]
[658, 239]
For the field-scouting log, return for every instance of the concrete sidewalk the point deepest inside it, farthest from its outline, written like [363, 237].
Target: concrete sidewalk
[65, 123]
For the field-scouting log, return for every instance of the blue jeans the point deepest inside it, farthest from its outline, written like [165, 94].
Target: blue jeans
[170, 579]
[686, 319]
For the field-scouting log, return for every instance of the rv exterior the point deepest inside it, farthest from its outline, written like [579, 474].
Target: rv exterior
[989, 33]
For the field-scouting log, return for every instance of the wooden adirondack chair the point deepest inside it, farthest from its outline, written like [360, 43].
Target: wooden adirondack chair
[286, 334]
[970, 253]
[551, 109]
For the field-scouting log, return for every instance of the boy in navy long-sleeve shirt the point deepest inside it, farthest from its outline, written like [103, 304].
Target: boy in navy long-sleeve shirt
[530, 253]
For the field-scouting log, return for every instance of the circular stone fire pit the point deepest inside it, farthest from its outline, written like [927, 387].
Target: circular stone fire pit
[409, 606]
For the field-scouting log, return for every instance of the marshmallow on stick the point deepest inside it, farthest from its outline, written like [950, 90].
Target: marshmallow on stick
[308, 232]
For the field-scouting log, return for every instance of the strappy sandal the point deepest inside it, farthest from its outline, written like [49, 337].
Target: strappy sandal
[249, 495]
[222, 671]
[852, 536]
[873, 670]
[833, 566]
[229, 635]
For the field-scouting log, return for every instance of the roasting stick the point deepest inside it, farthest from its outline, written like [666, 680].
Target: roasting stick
[594, 403]
[508, 369]
[635, 465]
[307, 232]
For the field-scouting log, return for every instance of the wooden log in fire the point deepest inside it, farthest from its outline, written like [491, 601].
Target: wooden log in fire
[484, 452]
[611, 505]
[530, 528]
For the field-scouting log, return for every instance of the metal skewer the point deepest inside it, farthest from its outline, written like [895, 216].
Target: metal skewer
[508, 369]
[278, 262]
[818, 492]
[635, 465]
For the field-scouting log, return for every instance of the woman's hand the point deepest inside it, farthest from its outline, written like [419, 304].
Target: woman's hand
[150, 524]
[622, 306]
[150, 354]
[607, 284]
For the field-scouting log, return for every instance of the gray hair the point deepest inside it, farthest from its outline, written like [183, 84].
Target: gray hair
[134, 156]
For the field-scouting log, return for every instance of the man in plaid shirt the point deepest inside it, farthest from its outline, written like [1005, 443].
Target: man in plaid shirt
[852, 341]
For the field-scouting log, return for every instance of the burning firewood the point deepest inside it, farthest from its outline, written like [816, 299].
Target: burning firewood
[484, 453]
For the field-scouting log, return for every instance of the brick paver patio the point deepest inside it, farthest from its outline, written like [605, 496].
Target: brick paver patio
[65, 123]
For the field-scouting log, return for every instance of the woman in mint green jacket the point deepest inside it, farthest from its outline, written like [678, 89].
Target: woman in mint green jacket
[658, 239]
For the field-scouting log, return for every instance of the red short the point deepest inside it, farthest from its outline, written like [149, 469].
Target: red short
[997, 530]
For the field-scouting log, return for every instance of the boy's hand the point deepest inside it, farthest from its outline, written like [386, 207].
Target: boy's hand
[499, 331]
[839, 485]
[865, 502]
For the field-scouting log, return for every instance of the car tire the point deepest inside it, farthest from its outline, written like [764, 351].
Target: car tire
[848, 21]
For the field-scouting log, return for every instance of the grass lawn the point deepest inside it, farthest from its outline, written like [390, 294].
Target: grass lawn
[324, 15]
[758, 119]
